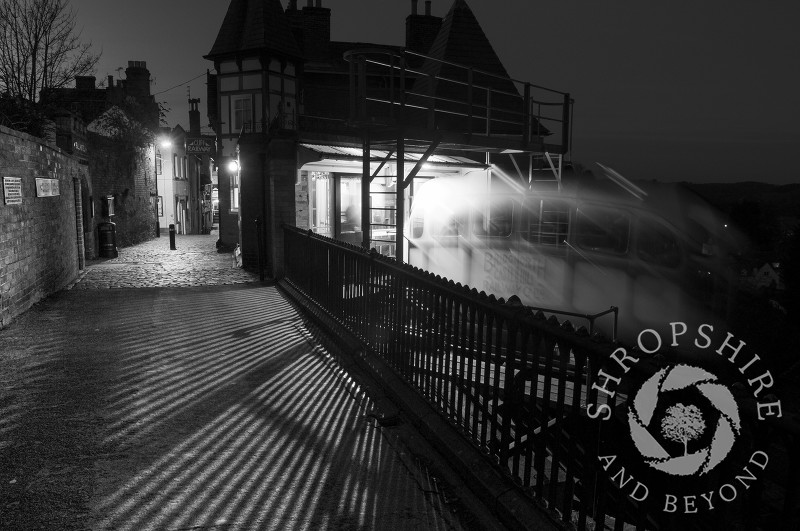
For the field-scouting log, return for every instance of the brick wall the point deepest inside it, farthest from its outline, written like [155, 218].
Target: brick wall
[39, 238]
[127, 175]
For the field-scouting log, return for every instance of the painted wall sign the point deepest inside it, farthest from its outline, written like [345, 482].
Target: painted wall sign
[47, 187]
[199, 146]
[12, 190]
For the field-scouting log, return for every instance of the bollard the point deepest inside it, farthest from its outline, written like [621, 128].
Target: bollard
[171, 236]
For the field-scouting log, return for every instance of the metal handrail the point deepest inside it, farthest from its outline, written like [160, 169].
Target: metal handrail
[514, 382]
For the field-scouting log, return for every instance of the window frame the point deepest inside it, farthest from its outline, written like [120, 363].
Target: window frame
[582, 217]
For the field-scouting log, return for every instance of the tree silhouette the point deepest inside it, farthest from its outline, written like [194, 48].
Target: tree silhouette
[40, 47]
[683, 424]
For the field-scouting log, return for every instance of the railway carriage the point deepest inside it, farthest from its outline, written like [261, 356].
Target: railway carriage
[658, 252]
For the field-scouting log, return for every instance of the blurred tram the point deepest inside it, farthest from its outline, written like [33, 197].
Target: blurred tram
[659, 253]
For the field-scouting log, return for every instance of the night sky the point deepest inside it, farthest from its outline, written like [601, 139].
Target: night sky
[696, 91]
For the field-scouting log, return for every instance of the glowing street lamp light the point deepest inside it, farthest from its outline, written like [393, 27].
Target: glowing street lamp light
[233, 166]
[164, 142]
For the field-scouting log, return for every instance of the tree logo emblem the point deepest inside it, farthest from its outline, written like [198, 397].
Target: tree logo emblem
[683, 423]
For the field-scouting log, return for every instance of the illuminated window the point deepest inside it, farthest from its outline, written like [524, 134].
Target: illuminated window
[320, 194]
[158, 162]
[235, 192]
[242, 114]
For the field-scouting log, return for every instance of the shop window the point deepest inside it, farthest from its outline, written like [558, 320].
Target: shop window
[602, 229]
[320, 195]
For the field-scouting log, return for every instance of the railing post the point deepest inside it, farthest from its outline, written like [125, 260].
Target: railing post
[366, 223]
[432, 102]
[362, 87]
[526, 115]
[470, 99]
[353, 97]
[565, 125]
[400, 203]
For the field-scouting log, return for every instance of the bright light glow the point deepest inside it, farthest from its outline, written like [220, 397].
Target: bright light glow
[165, 143]
[233, 166]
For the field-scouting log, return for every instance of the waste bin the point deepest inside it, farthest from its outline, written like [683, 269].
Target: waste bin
[107, 233]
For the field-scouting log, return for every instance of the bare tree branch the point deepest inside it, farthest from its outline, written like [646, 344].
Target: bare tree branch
[40, 47]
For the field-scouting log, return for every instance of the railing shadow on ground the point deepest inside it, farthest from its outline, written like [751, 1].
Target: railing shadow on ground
[247, 424]
[516, 385]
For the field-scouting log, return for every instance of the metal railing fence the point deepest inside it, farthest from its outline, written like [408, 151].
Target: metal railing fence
[514, 383]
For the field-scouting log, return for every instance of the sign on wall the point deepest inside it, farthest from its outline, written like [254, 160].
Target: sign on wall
[12, 190]
[199, 146]
[47, 187]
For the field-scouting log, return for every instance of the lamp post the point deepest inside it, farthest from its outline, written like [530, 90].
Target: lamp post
[164, 142]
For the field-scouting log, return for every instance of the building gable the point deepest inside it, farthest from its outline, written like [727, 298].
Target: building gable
[254, 25]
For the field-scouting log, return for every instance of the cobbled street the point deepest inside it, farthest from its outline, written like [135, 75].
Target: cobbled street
[152, 264]
[171, 390]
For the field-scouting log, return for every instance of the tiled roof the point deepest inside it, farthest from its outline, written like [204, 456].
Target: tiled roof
[461, 40]
[254, 25]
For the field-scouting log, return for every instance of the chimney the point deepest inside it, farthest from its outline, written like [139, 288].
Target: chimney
[421, 30]
[194, 117]
[316, 31]
[110, 81]
[292, 5]
[137, 79]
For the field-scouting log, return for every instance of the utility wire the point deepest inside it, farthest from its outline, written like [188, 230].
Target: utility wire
[179, 84]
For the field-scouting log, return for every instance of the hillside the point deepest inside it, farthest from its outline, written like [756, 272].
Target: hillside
[783, 201]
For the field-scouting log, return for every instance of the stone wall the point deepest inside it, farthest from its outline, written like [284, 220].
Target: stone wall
[123, 178]
[40, 239]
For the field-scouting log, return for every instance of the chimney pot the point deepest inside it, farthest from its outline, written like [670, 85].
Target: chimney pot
[428, 7]
[319, 3]
[414, 6]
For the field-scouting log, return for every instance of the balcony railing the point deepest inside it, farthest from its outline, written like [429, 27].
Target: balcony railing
[386, 89]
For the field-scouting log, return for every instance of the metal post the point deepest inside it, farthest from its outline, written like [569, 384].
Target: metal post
[366, 229]
[565, 125]
[171, 236]
[155, 180]
[399, 222]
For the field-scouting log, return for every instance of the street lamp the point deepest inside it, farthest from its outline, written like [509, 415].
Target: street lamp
[164, 142]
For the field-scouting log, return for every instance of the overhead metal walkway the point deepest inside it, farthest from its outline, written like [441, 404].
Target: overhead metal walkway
[405, 102]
